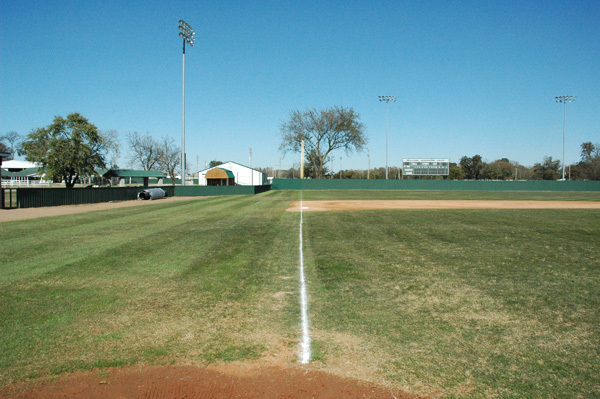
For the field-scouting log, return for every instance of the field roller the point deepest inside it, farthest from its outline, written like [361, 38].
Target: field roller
[152, 194]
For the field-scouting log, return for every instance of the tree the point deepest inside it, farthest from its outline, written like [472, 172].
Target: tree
[589, 166]
[113, 148]
[168, 157]
[13, 141]
[500, 169]
[214, 163]
[67, 149]
[548, 170]
[471, 167]
[456, 172]
[324, 131]
[144, 150]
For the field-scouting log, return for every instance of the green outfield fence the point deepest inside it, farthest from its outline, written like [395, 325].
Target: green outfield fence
[441, 185]
[39, 197]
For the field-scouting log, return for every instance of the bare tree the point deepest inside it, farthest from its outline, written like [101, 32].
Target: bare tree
[14, 142]
[112, 146]
[168, 157]
[323, 132]
[144, 150]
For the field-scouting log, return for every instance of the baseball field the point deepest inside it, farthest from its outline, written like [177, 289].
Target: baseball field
[459, 302]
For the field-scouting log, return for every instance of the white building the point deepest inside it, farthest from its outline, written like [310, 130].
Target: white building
[243, 175]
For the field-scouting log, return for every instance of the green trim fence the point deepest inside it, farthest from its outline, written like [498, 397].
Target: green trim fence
[40, 197]
[441, 185]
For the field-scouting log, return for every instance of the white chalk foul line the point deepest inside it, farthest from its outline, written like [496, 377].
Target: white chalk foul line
[305, 344]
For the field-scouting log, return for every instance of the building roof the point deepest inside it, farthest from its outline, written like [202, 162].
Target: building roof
[224, 163]
[219, 173]
[23, 173]
[132, 173]
[17, 164]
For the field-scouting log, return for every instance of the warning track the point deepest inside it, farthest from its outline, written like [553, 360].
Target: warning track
[352, 205]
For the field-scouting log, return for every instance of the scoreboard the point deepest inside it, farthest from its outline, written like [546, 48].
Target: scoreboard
[425, 167]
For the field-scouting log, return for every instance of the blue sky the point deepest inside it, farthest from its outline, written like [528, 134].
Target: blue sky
[471, 77]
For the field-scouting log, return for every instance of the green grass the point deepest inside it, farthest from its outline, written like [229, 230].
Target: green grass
[459, 303]
[189, 280]
[467, 303]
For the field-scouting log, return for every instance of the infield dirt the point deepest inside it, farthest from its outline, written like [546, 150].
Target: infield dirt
[350, 205]
[229, 381]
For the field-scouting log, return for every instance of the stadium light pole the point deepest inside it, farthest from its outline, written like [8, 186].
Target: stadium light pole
[387, 100]
[564, 100]
[187, 34]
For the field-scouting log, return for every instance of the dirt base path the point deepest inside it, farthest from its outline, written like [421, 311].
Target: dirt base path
[10, 215]
[190, 382]
[350, 205]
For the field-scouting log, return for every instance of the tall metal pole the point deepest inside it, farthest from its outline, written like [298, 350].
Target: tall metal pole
[564, 100]
[387, 100]
[369, 164]
[564, 134]
[187, 34]
[387, 135]
[183, 122]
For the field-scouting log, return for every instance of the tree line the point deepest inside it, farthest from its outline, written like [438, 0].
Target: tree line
[71, 148]
[475, 168]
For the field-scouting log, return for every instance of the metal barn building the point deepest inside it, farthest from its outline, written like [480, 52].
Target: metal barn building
[242, 175]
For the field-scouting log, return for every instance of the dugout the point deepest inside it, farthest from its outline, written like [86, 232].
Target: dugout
[127, 174]
[220, 177]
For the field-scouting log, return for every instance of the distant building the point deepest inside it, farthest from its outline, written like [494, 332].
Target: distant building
[238, 175]
[21, 174]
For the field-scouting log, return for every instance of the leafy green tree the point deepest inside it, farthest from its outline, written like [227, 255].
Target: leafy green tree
[67, 149]
[456, 172]
[501, 169]
[214, 163]
[589, 166]
[323, 132]
[471, 167]
[547, 170]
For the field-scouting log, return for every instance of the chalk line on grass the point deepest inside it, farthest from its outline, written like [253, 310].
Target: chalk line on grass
[305, 344]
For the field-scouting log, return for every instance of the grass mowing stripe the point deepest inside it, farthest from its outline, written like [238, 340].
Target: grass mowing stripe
[195, 285]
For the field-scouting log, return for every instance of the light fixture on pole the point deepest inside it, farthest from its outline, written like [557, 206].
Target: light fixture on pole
[387, 100]
[187, 34]
[564, 100]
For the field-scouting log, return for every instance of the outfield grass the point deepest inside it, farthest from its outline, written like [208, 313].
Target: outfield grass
[468, 303]
[182, 281]
[459, 303]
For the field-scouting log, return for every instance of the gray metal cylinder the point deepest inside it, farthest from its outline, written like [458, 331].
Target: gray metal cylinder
[152, 194]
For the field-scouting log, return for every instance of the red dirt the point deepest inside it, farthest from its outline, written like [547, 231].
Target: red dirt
[158, 382]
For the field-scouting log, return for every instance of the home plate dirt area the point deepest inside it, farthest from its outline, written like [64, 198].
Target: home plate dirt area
[191, 382]
[353, 205]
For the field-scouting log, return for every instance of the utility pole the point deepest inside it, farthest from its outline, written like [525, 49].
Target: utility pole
[387, 100]
[369, 166]
[564, 100]
[187, 34]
